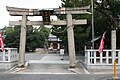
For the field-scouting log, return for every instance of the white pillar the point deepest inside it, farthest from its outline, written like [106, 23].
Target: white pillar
[88, 56]
[119, 57]
[101, 61]
[94, 57]
[107, 57]
[113, 41]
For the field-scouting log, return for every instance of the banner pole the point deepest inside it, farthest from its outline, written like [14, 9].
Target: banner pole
[115, 68]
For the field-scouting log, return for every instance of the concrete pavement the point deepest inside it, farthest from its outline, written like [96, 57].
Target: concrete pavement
[55, 77]
[49, 64]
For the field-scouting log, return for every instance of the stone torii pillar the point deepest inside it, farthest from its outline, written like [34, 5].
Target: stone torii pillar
[71, 42]
[22, 41]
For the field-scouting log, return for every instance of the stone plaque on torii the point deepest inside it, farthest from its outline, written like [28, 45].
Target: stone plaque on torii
[13, 11]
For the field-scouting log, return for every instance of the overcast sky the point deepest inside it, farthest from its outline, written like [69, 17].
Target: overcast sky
[37, 4]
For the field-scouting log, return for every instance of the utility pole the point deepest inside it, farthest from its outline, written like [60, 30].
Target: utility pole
[92, 5]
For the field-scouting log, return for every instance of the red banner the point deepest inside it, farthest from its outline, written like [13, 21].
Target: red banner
[101, 47]
[1, 42]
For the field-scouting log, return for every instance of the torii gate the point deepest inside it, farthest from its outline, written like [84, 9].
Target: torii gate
[13, 11]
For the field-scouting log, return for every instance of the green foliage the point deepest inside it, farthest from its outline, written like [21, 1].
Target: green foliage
[107, 18]
[35, 37]
[12, 37]
[82, 32]
[110, 9]
[75, 3]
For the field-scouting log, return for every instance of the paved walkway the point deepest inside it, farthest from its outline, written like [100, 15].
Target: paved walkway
[50, 64]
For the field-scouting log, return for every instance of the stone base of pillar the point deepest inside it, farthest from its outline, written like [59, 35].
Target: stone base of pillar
[21, 66]
[72, 66]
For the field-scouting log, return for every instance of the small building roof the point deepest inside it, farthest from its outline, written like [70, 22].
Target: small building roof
[53, 38]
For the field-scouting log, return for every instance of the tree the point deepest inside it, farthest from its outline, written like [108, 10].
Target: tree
[12, 36]
[110, 9]
[107, 13]
[82, 33]
[35, 37]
